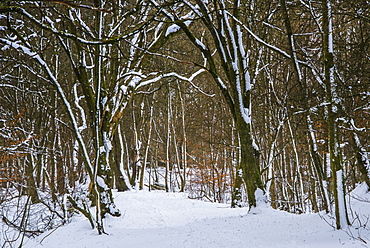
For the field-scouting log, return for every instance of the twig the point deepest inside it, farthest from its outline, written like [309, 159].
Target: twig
[11, 224]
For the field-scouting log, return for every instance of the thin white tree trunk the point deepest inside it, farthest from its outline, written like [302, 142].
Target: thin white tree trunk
[167, 180]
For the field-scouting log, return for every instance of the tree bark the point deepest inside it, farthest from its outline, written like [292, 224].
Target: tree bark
[249, 162]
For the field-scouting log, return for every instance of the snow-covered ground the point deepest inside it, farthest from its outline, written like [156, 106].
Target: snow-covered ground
[159, 219]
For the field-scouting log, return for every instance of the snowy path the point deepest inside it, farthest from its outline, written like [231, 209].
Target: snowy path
[160, 220]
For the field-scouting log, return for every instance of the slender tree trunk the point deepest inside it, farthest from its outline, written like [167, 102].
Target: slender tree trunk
[117, 166]
[236, 197]
[167, 178]
[332, 116]
[137, 159]
[143, 166]
[184, 141]
[31, 185]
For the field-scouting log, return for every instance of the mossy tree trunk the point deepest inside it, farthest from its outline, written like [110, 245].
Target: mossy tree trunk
[248, 164]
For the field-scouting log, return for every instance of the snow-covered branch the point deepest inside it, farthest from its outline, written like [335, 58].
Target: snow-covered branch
[176, 75]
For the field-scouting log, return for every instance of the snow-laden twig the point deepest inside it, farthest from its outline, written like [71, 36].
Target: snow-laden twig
[10, 86]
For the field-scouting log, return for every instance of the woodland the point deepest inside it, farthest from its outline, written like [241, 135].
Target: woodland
[238, 102]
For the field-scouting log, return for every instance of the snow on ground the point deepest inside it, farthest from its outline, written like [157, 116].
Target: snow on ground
[159, 219]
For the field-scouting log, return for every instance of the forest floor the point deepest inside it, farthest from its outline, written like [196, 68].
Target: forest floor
[159, 219]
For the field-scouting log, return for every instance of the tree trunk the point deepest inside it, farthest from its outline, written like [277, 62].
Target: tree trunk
[249, 161]
[31, 185]
[167, 176]
[119, 177]
[143, 166]
[236, 197]
[332, 116]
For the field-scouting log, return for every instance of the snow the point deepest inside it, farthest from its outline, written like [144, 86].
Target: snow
[172, 29]
[199, 43]
[159, 219]
[186, 19]
[124, 89]
[107, 143]
[101, 183]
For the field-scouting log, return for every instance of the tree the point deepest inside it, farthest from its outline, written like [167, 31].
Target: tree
[226, 61]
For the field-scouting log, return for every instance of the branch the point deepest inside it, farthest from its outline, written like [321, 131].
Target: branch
[85, 212]
[6, 9]
[71, 4]
[173, 74]
[23, 230]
